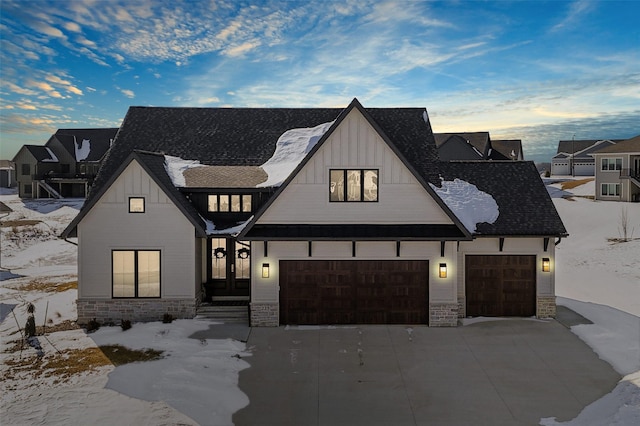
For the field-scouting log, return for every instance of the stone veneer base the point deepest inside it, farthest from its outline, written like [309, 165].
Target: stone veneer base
[546, 307]
[443, 315]
[264, 314]
[107, 311]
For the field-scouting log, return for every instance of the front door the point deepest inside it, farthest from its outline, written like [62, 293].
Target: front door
[229, 268]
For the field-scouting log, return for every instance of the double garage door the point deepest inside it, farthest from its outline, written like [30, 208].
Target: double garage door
[500, 285]
[354, 292]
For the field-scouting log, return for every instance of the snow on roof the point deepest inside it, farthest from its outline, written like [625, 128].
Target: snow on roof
[52, 157]
[83, 149]
[291, 148]
[234, 230]
[176, 166]
[470, 205]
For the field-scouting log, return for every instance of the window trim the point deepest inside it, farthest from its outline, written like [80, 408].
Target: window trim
[610, 160]
[229, 197]
[608, 186]
[345, 187]
[144, 205]
[135, 272]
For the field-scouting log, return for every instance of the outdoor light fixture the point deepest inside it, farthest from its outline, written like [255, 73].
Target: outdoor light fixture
[546, 265]
[265, 270]
[442, 271]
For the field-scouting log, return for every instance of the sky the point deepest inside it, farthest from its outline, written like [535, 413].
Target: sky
[539, 71]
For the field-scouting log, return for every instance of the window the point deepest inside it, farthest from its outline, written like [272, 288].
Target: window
[229, 203]
[136, 273]
[219, 258]
[243, 260]
[27, 188]
[353, 185]
[26, 169]
[136, 204]
[611, 164]
[610, 189]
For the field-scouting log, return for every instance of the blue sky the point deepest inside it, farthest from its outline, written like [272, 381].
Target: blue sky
[540, 71]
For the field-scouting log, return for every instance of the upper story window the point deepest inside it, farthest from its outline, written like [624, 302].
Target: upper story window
[611, 164]
[353, 185]
[136, 205]
[229, 203]
[26, 169]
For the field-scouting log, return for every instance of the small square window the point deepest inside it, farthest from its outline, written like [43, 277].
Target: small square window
[136, 205]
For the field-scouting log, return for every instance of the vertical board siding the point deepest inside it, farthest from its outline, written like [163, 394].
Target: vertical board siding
[354, 144]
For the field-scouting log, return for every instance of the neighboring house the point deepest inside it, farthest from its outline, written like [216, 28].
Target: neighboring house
[7, 174]
[575, 158]
[65, 166]
[309, 216]
[618, 171]
[511, 149]
[476, 146]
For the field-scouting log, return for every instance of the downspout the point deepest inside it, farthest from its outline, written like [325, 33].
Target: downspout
[558, 241]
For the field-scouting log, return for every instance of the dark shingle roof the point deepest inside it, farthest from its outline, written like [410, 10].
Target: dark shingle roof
[525, 206]
[506, 147]
[41, 153]
[99, 139]
[571, 146]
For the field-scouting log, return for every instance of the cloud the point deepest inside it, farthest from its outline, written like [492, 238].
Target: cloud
[128, 93]
[64, 83]
[577, 10]
[72, 26]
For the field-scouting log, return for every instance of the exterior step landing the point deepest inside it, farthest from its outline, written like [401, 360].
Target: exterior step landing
[226, 314]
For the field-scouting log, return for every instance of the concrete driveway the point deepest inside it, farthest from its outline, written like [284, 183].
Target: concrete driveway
[507, 372]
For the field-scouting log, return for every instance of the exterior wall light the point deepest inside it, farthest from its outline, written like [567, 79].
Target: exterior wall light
[265, 270]
[546, 264]
[442, 270]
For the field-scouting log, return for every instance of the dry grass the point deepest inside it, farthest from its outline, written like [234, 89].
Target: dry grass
[570, 184]
[19, 222]
[46, 286]
[119, 355]
[59, 366]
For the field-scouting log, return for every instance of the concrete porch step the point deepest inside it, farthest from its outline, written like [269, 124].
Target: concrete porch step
[227, 314]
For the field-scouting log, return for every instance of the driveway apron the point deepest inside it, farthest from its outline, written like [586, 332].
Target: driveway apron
[506, 372]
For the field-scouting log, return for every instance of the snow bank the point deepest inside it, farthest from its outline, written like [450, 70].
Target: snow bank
[291, 148]
[176, 166]
[468, 203]
[83, 149]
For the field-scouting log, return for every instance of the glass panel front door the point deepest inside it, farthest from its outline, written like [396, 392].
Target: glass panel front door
[229, 269]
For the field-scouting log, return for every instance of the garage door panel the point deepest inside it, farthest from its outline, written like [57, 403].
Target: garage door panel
[500, 285]
[354, 292]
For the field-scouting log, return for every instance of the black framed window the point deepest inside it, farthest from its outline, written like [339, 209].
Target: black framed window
[136, 205]
[353, 185]
[135, 273]
[234, 203]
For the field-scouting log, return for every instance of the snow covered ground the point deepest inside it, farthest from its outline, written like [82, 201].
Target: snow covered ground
[73, 383]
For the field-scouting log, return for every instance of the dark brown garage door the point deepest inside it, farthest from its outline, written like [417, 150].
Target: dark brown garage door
[501, 286]
[354, 292]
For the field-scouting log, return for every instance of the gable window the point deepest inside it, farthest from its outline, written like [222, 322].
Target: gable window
[353, 185]
[229, 203]
[609, 164]
[136, 204]
[610, 189]
[25, 169]
[136, 273]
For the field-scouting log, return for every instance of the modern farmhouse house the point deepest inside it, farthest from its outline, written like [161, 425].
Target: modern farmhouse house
[309, 216]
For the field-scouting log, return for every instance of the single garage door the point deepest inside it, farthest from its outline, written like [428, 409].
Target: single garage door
[354, 292]
[500, 286]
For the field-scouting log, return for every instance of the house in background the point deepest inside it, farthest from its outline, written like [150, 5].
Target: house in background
[575, 158]
[476, 146]
[65, 166]
[7, 174]
[309, 216]
[618, 171]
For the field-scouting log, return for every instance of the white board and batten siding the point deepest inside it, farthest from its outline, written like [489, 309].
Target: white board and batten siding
[109, 226]
[354, 145]
[401, 200]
